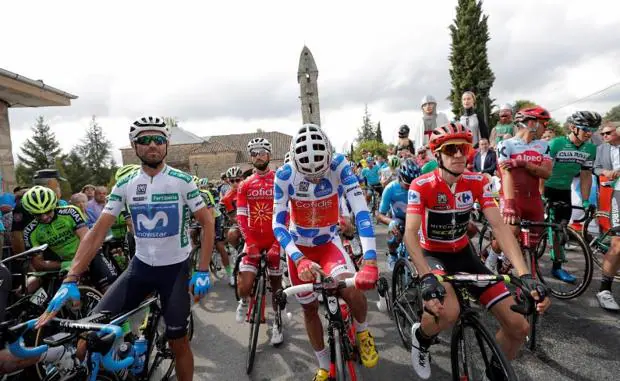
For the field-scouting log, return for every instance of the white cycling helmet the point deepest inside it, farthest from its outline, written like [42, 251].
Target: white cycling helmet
[234, 172]
[287, 157]
[311, 151]
[148, 123]
[259, 143]
[203, 183]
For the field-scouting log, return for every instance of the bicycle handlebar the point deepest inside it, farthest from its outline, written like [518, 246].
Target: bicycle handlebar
[33, 251]
[107, 332]
[313, 287]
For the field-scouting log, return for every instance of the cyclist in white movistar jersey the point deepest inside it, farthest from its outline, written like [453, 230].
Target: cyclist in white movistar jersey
[159, 199]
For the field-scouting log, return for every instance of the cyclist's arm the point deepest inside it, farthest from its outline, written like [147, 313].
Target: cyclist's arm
[206, 219]
[363, 219]
[508, 185]
[542, 171]
[384, 207]
[506, 239]
[243, 214]
[412, 242]
[281, 214]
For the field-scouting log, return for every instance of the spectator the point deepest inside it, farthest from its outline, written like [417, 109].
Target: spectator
[404, 153]
[422, 157]
[95, 206]
[21, 218]
[89, 191]
[485, 160]
[50, 178]
[504, 127]
[81, 201]
[472, 120]
[430, 120]
[548, 135]
[381, 163]
[403, 139]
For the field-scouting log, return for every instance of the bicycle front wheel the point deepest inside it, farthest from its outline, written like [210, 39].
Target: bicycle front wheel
[473, 349]
[255, 320]
[576, 260]
[406, 299]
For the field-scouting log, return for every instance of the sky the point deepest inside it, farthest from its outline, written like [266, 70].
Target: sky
[231, 67]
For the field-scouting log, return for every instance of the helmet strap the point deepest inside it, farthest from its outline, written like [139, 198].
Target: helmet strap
[438, 156]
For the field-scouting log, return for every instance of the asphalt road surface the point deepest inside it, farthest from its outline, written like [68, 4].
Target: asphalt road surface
[577, 341]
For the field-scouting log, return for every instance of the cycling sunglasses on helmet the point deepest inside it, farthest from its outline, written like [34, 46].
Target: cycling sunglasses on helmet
[145, 140]
[451, 149]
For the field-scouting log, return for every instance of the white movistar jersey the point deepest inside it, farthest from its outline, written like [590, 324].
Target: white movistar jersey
[160, 209]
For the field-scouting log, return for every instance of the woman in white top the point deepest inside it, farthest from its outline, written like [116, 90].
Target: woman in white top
[471, 119]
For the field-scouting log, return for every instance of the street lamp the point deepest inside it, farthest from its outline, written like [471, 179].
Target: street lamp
[196, 169]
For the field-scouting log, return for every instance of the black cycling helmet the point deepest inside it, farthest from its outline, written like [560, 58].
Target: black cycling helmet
[589, 119]
[403, 131]
[408, 171]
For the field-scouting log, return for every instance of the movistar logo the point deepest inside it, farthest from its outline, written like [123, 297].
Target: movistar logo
[149, 224]
[202, 282]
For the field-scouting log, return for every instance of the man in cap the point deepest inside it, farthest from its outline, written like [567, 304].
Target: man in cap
[50, 178]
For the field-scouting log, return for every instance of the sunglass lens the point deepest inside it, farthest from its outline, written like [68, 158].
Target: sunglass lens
[146, 140]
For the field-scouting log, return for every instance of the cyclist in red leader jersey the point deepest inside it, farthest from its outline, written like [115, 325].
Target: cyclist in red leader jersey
[523, 161]
[254, 214]
[439, 206]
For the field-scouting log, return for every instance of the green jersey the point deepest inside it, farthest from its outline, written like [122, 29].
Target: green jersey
[568, 161]
[501, 130]
[59, 234]
[119, 229]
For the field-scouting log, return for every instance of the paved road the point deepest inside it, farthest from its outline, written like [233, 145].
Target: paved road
[578, 341]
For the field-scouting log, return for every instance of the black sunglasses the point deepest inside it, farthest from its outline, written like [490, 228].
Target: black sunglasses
[236, 180]
[145, 140]
[607, 133]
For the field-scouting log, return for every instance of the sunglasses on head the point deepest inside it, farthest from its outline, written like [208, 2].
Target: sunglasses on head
[452, 149]
[259, 152]
[145, 140]
[605, 133]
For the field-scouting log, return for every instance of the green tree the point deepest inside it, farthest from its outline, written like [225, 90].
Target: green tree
[378, 135]
[39, 151]
[470, 69]
[171, 121]
[65, 186]
[77, 173]
[366, 131]
[23, 174]
[613, 115]
[95, 152]
[373, 146]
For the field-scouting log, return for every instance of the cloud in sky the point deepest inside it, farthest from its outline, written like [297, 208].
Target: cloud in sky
[231, 67]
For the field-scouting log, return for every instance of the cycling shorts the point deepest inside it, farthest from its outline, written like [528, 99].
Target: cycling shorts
[101, 270]
[140, 280]
[219, 229]
[465, 261]
[562, 213]
[332, 258]
[274, 267]
[531, 209]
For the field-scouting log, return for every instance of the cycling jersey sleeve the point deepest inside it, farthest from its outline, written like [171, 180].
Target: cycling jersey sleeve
[75, 214]
[415, 205]
[191, 196]
[281, 188]
[117, 198]
[385, 200]
[363, 219]
[484, 194]
[243, 213]
[29, 239]
[503, 149]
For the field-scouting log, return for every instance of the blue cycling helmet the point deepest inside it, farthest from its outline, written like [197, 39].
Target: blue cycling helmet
[408, 171]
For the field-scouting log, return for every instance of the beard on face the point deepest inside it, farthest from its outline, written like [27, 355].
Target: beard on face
[155, 160]
[261, 166]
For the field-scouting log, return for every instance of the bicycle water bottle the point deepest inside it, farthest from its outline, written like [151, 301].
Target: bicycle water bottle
[140, 347]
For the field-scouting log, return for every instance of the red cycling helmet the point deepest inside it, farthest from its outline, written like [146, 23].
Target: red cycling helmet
[532, 113]
[453, 132]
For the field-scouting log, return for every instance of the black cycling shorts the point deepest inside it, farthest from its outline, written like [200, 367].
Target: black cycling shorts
[562, 213]
[101, 271]
[140, 280]
[465, 261]
[219, 229]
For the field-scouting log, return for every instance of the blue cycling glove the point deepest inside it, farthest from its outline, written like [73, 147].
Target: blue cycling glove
[200, 283]
[67, 291]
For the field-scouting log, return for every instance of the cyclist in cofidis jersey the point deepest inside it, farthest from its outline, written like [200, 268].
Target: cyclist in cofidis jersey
[523, 161]
[438, 214]
[159, 199]
[229, 201]
[394, 200]
[572, 155]
[254, 214]
[309, 188]
[62, 228]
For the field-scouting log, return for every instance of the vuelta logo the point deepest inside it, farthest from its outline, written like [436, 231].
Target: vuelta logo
[261, 192]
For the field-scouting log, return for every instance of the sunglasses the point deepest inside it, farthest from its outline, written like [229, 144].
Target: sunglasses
[236, 180]
[145, 140]
[586, 129]
[452, 149]
[259, 153]
[607, 133]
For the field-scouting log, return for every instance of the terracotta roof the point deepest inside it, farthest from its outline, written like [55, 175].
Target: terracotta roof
[280, 142]
[212, 146]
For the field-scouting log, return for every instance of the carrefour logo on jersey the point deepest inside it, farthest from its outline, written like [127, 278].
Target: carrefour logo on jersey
[464, 200]
[323, 188]
[155, 220]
